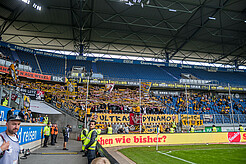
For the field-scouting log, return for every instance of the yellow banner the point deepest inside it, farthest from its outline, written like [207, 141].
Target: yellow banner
[124, 118]
[191, 117]
[166, 139]
[111, 118]
[196, 123]
[160, 118]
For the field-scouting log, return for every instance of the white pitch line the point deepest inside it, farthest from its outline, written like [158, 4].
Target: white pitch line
[176, 157]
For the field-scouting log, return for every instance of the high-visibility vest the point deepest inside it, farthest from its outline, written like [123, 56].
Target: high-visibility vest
[98, 131]
[241, 129]
[192, 130]
[82, 136]
[5, 103]
[110, 130]
[46, 130]
[56, 132]
[214, 129]
[52, 130]
[88, 139]
[174, 124]
[46, 120]
[171, 130]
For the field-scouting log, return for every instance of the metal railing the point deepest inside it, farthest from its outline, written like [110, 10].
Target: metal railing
[15, 98]
[223, 118]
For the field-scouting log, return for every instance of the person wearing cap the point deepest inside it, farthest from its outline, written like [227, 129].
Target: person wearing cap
[9, 142]
[10, 112]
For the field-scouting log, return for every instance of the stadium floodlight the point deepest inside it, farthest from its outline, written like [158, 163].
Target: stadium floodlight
[133, 2]
[212, 18]
[26, 1]
[172, 10]
[37, 7]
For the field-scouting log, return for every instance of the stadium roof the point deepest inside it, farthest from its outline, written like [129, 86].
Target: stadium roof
[212, 31]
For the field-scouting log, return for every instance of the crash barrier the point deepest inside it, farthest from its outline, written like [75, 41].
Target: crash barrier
[103, 153]
[167, 139]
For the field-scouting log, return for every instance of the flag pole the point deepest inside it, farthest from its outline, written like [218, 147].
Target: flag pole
[140, 105]
[87, 93]
[187, 105]
[157, 138]
[231, 107]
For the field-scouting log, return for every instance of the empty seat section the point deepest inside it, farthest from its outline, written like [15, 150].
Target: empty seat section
[52, 65]
[133, 71]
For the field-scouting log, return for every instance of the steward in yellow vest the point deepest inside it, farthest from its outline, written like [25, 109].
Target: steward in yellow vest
[6, 102]
[83, 134]
[192, 130]
[214, 130]
[46, 119]
[90, 142]
[241, 128]
[171, 130]
[46, 134]
[110, 130]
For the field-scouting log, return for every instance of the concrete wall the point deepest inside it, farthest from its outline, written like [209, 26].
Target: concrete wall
[63, 120]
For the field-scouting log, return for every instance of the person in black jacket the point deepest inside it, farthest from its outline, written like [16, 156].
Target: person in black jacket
[10, 112]
[21, 114]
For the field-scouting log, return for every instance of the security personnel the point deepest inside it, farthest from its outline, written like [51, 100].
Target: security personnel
[56, 133]
[6, 101]
[46, 134]
[110, 130]
[174, 124]
[192, 130]
[241, 128]
[214, 130]
[53, 134]
[46, 119]
[171, 130]
[83, 135]
[91, 142]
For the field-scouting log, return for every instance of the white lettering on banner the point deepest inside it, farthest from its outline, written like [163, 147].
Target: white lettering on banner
[59, 79]
[186, 66]
[172, 65]
[198, 67]
[142, 62]
[19, 135]
[234, 136]
[29, 136]
[128, 61]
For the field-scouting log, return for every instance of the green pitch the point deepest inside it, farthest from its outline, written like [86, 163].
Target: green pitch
[207, 154]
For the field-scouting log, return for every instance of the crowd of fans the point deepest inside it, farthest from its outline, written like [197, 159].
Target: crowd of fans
[126, 100]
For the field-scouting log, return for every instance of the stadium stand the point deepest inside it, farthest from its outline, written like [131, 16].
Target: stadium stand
[56, 66]
[28, 57]
[51, 65]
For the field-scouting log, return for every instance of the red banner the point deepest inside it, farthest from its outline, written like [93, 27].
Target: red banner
[28, 74]
[34, 75]
[4, 69]
[135, 118]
